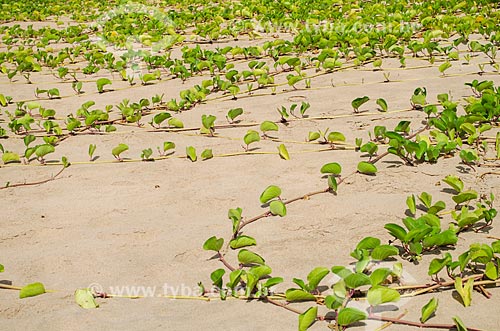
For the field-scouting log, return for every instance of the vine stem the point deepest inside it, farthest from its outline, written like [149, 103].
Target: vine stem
[224, 261]
[283, 305]
[375, 317]
[445, 284]
[388, 324]
[416, 324]
[34, 183]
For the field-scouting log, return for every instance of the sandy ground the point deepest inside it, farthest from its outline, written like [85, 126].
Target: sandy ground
[111, 225]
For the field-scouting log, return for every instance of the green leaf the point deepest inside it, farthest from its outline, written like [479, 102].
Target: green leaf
[101, 82]
[283, 152]
[29, 151]
[313, 135]
[370, 148]
[92, 148]
[410, 202]
[426, 199]
[234, 278]
[455, 183]
[42, 150]
[159, 118]
[298, 295]
[271, 192]
[118, 150]
[448, 237]
[292, 79]
[247, 257]
[307, 318]
[444, 66]
[368, 243]
[235, 216]
[29, 139]
[9, 157]
[208, 121]
[332, 183]
[465, 291]
[429, 309]
[2, 269]
[436, 208]
[85, 299]
[362, 264]
[491, 270]
[146, 154]
[340, 290]
[233, 113]
[381, 294]
[175, 122]
[277, 208]
[273, 281]
[341, 271]
[191, 153]
[216, 277]
[213, 244]
[268, 126]
[382, 252]
[251, 136]
[382, 104]
[207, 154]
[242, 241]
[465, 196]
[53, 92]
[358, 102]
[65, 162]
[396, 230]
[459, 324]
[315, 277]
[333, 302]
[357, 280]
[260, 271]
[367, 168]
[168, 145]
[331, 168]
[251, 281]
[496, 246]
[335, 136]
[347, 316]
[480, 253]
[379, 276]
[31, 290]
[3, 100]
[301, 283]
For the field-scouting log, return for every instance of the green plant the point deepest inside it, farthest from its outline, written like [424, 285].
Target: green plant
[444, 66]
[267, 126]
[91, 152]
[191, 153]
[146, 154]
[232, 114]
[118, 150]
[358, 102]
[101, 83]
[77, 87]
[250, 137]
[208, 124]
[382, 104]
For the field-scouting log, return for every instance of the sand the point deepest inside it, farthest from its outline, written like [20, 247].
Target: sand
[113, 224]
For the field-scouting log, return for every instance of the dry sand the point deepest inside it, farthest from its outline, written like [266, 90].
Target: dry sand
[143, 223]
